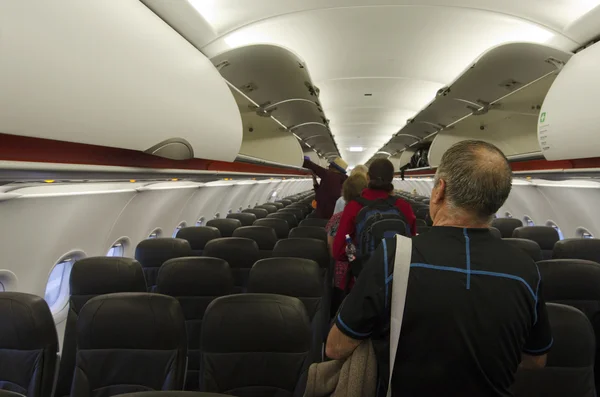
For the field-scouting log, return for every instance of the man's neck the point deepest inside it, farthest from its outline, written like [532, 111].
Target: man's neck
[458, 219]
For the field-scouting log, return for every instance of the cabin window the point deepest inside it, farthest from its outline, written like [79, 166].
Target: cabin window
[507, 215]
[57, 289]
[2, 289]
[155, 234]
[8, 281]
[555, 227]
[217, 215]
[528, 221]
[178, 228]
[240, 210]
[582, 232]
[118, 249]
[200, 221]
[230, 211]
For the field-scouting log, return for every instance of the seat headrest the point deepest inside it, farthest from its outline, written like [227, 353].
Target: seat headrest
[245, 218]
[495, 232]
[307, 248]
[281, 227]
[286, 276]
[506, 225]
[259, 212]
[309, 232]
[225, 226]
[255, 323]
[531, 248]
[570, 279]
[574, 339]
[198, 276]
[265, 237]
[290, 218]
[238, 252]
[131, 321]
[314, 222]
[26, 322]
[105, 275]
[198, 236]
[545, 236]
[156, 251]
[577, 248]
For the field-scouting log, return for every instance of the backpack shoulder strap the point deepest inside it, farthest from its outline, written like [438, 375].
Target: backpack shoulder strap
[363, 201]
[400, 276]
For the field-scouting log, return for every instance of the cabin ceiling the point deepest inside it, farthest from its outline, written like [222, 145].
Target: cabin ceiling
[377, 63]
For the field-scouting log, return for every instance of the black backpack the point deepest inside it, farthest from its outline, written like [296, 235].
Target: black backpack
[378, 219]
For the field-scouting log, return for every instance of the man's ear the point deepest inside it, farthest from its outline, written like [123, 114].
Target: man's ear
[439, 192]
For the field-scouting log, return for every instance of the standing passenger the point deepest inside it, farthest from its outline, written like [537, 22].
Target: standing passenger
[474, 305]
[340, 204]
[330, 188]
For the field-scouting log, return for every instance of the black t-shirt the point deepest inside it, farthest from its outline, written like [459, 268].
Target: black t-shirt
[473, 305]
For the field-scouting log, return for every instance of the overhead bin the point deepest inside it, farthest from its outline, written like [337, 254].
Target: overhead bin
[569, 121]
[483, 90]
[279, 84]
[111, 73]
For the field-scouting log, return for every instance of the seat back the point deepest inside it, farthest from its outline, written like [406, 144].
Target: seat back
[577, 248]
[258, 212]
[575, 282]
[245, 218]
[299, 213]
[318, 233]
[129, 342]
[269, 207]
[307, 248]
[495, 232]
[239, 253]
[198, 236]
[265, 238]
[152, 253]
[300, 278]
[290, 218]
[530, 247]
[170, 394]
[506, 226]
[28, 345]
[314, 222]
[281, 227]
[225, 226]
[194, 282]
[569, 370]
[286, 202]
[278, 205]
[89, 278]
[255, 345]
[545, 236]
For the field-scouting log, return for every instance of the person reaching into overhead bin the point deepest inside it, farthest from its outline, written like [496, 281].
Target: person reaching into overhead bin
[330, 188]
[474, 309]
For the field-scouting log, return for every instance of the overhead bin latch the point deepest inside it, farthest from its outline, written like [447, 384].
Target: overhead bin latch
[557, 63]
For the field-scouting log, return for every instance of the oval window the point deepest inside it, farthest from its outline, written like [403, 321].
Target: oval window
[200, 221]
[178, 228]
[118, 249]
[508, 215]
[8, 281]
[155, 234]
[528, 221]
[555, 227]
[57, 288]
[217, 215]
[582, 232]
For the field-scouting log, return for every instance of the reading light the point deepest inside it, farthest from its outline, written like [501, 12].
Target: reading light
[49, 181]
[356, 148]
[132, 180]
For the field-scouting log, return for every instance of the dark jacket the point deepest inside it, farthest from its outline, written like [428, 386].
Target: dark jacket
[329, 190]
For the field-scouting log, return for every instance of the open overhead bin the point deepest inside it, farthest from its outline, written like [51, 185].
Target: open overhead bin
[479, 104]
[111, 73]
[279, 85]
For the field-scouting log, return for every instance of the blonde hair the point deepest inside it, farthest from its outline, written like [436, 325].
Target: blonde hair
[353, 186]
[360, 169]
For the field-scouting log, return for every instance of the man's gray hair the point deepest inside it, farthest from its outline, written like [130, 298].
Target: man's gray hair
[478, 177]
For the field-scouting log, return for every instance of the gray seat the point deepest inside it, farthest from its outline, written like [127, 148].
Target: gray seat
[255, 345]
[569, 370]
[299, 213]
[28, 345]
[278, 205]
[89, 278]
[300, 278]
[129, 342]
[290, 218]
[258, 212]
[577, 248]
[281, 227]
[239, 253]
[530, 247]
[544, 236]
[225, 226]
[269, 207]
[307, 248]
[171, 394]
[315, 232]
[265, 238]
[495, 232]
[575, 282]
[506, 226]
[198, 236]
[194, 282]
[245, 218]
[314, 222]
[152, 253]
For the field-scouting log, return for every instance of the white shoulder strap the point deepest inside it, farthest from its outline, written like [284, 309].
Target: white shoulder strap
[401, 271]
